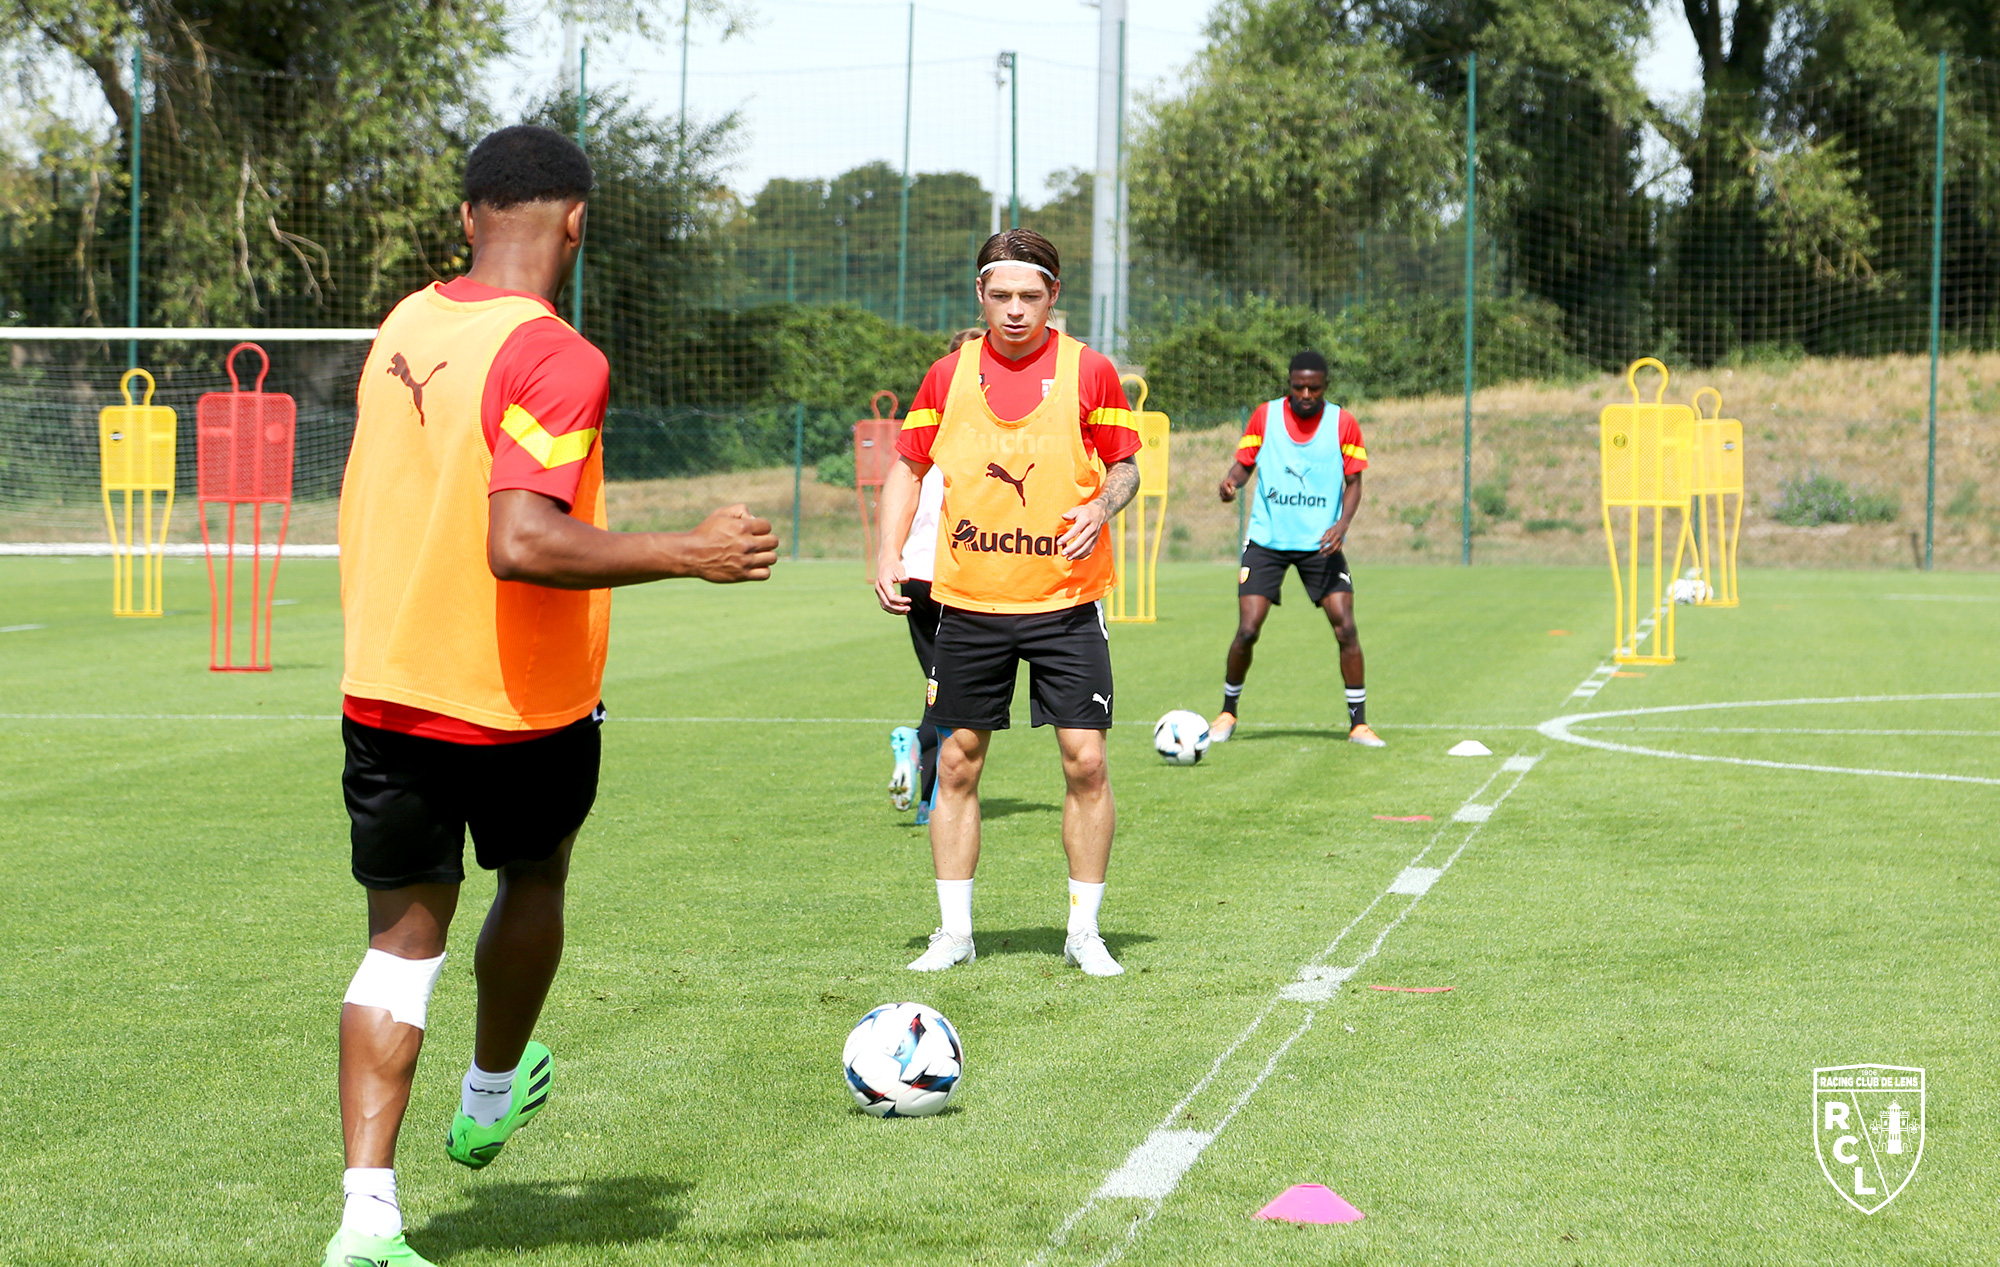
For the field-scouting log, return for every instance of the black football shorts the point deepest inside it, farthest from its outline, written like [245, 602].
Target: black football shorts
[1263, 573]
[923, 619]
[978, 654]
[410, 800]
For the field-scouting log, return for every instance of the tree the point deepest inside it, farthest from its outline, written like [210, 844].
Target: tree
[1283, 147]
[301, 158]
[838, 241]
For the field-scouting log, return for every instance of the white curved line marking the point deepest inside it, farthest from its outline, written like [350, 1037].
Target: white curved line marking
[1560, 728]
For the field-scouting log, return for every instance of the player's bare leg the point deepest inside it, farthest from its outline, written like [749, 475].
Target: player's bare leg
[520, 947]
[1339, 608]
[378, 1054]
[955, 847]
[1252, 609]
[1090, 818]
[381, 1034]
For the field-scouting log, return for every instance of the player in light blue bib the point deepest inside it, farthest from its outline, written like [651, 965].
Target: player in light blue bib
[1308, 490]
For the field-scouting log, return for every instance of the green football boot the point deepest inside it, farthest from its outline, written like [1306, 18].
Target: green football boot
[357, 1249]
[470, 1144]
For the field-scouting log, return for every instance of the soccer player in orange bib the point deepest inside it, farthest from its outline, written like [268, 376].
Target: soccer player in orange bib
[1307, 496]
[1036, 441]
[474, 582]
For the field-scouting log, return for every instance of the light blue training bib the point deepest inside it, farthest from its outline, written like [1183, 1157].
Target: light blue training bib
[1299, 486]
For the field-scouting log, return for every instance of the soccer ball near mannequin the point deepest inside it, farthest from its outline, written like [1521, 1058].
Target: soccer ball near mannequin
[1181, 737]
[903, 1060]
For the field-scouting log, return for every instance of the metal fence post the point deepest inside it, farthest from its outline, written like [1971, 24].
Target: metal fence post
[798, 468]
[1937, 300]
[1471, 223]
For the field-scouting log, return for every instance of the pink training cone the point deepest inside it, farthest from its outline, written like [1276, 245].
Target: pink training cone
[1310, 1203]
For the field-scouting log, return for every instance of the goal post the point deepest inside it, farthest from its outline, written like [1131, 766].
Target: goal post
[55, 380]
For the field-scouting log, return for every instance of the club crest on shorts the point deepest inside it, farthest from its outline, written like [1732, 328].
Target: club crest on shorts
[930, 691]
[1242, 575]
[1868, 1129]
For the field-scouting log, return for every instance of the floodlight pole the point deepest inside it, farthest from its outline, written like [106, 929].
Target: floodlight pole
[132, 254]
[1471, 221]
[1012, 63]
[1937, 303]
[687, 17]
[1105, 195]
[903, 231]
[1121, 298]
[582, 104]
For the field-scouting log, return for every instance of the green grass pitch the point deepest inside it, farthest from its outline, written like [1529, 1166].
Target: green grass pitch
[1648, 956]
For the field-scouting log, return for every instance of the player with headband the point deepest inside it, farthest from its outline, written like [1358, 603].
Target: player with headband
[1036, 441]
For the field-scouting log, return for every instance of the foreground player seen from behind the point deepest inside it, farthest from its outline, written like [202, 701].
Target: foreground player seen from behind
[1308, 492]
[1036, 440]
[475, 568]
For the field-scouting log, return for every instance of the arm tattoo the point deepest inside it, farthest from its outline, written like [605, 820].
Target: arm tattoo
[1120, 483]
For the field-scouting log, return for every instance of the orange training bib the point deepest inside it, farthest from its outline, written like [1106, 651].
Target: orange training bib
[1006, 486]
[428, 624]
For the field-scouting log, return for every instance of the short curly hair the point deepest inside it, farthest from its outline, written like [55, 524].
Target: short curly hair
[526, 163]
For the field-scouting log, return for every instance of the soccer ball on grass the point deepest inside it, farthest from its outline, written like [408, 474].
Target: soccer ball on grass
[1181, 737]
[903, 1060]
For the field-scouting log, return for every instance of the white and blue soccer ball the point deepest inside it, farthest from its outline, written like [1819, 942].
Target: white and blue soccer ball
[903, 1060]
[1181, 737]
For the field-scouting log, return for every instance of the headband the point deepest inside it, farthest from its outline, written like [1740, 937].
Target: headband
[1023, 263]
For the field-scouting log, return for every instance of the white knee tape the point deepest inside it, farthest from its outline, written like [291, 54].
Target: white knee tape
[402, 987]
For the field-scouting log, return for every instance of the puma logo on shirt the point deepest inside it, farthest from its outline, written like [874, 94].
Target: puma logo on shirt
[996, 471]
[400, 368]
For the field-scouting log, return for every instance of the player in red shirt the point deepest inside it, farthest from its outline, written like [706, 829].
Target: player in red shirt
[1037, 445]
[474, 569]
[1306, 500]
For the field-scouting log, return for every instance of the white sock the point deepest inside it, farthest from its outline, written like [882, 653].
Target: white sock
[1084, 899]
[955, 907]
[485, 1097]
[371, 1201]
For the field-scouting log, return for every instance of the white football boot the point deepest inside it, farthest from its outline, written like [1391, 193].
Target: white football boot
[1087, 951]
[1222, 727]
[947, 950]
[903, 777]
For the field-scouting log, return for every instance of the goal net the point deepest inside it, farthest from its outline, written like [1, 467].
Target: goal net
[53, 388]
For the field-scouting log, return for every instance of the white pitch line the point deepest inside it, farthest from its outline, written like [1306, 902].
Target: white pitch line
[1563, 730]
[1600, 677]
[1945, 598]
[689, 721]
[20, 628]
[1153, 1170]
[1804, 730]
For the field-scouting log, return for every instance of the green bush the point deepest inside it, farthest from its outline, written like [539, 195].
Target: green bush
[836, 469]
[1214, 366]
[738, 378]
[1807, 501]
[1490, 499]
